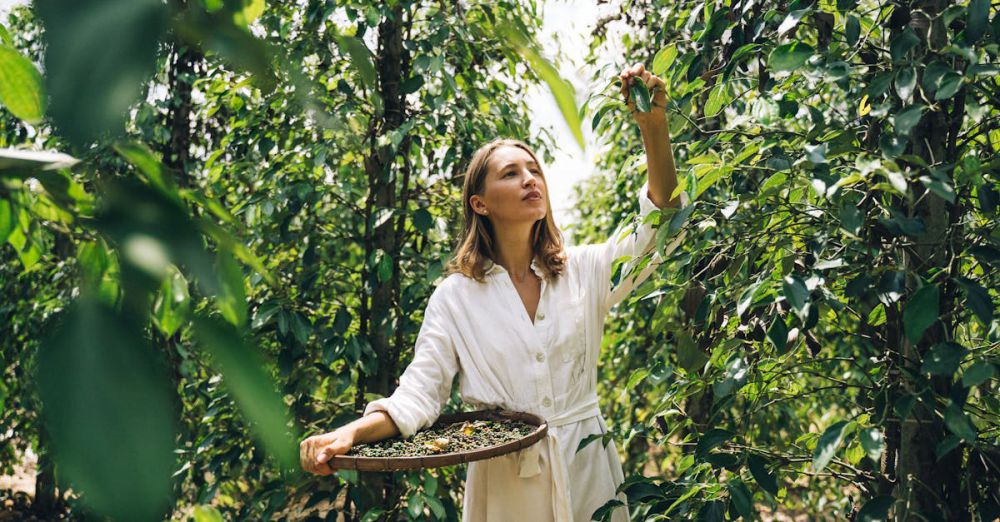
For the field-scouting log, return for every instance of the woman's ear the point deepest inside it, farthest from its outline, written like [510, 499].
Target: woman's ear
[478, 206]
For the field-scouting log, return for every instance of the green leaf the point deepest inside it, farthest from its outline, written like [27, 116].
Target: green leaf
[778, 334]
[710, 440]
[943, 359]
[976, 20]
[828, 445]
[562, 91]
[21, 88]
[978, 298]
[207, 514]
[23, 163]
[142, 158]
[959, 424]
[98, 55]
[172, 307]
[797, 295]
[232, 298]
[640, 94]
[790, 56]
[902, 44]
[765, 479]
[977, 374]
[7, 220]
[908, 118]
[852, 31]
[946, 445]
[876, 509]
[873, 442]
[109, 410]
[689, 356]
[245, 377]
[921, 311]
[792, 19]
[248, 12]
[717, 99]
[361, 58]
[950, 84]
[741, 497]
[906, 82]
[664, 59]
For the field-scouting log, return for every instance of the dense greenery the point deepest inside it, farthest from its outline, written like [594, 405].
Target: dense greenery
[265, 197]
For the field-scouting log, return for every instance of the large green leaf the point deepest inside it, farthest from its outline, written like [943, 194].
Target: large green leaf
[21, 86]
[829, 443]
[172, 306]
[244, 374]
[876, 510]
[8, 219]
[959, 424]
[98, 55]
[978, 17]
[943, 359]
[109, 410]
[790, 56]
[797, 295]
[764, 477]
[873, 442]
[921, 311]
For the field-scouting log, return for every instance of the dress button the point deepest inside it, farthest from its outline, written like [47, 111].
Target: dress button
[539, 356]
[546, 402]
[540, 316]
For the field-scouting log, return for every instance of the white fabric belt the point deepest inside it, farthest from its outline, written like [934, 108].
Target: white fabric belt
[530, 457]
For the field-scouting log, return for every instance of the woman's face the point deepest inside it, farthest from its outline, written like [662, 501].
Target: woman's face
[514, 190]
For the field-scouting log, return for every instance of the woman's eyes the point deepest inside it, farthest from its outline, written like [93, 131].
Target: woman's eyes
[535, 172]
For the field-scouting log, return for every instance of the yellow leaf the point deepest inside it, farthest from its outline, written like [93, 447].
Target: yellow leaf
[864, 108]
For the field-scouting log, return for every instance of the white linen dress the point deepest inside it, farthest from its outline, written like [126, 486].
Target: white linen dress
[482, 333]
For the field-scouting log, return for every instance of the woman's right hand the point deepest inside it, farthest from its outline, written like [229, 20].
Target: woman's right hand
[315, 451]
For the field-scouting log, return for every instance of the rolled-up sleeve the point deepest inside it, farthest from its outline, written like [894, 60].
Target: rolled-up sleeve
[633, 245]
[426, 383]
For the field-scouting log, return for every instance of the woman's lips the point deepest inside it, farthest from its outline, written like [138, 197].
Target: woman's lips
[533, 196]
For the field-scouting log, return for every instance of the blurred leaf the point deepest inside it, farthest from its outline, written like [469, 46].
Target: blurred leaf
[562, 91]
[717, 99]
[876, 509]
[109, 411]
[220, 32]
[142, 158]
[950, 84]
[791, 20]
[790, 56]
[361, 58]
[98, 55]
[921, 311]
[249, 11]
[852, 30]
[245, 377]
[689, 356]
[906, 81]
[21, 88]
[828, 445]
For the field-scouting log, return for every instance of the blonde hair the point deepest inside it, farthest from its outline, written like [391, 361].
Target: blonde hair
[475, 247]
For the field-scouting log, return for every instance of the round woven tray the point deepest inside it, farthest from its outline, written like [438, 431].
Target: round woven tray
[449, 459]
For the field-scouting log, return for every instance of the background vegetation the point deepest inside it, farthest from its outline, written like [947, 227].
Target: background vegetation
[263, 196]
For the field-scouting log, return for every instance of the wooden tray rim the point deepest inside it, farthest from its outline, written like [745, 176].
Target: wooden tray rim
[450, 459]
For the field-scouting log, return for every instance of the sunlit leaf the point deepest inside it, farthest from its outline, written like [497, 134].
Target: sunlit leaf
[828, 445]
[790, 56]
[21, 90]
[921, 311]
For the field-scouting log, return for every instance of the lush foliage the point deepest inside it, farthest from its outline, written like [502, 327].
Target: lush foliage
[265, 198]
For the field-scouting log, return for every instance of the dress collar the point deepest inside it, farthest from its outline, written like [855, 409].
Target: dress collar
[493, 268]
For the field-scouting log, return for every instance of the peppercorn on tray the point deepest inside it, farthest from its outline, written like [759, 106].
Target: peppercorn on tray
[454, 439]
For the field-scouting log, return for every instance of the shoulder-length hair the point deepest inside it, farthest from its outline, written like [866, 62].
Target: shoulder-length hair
[476, 245]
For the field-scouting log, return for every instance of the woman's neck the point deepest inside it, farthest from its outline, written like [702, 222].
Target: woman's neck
[513, 251]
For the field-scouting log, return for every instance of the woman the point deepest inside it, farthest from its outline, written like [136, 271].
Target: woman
[519, 320]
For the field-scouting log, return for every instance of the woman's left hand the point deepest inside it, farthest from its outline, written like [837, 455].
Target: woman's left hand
[658, 105]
